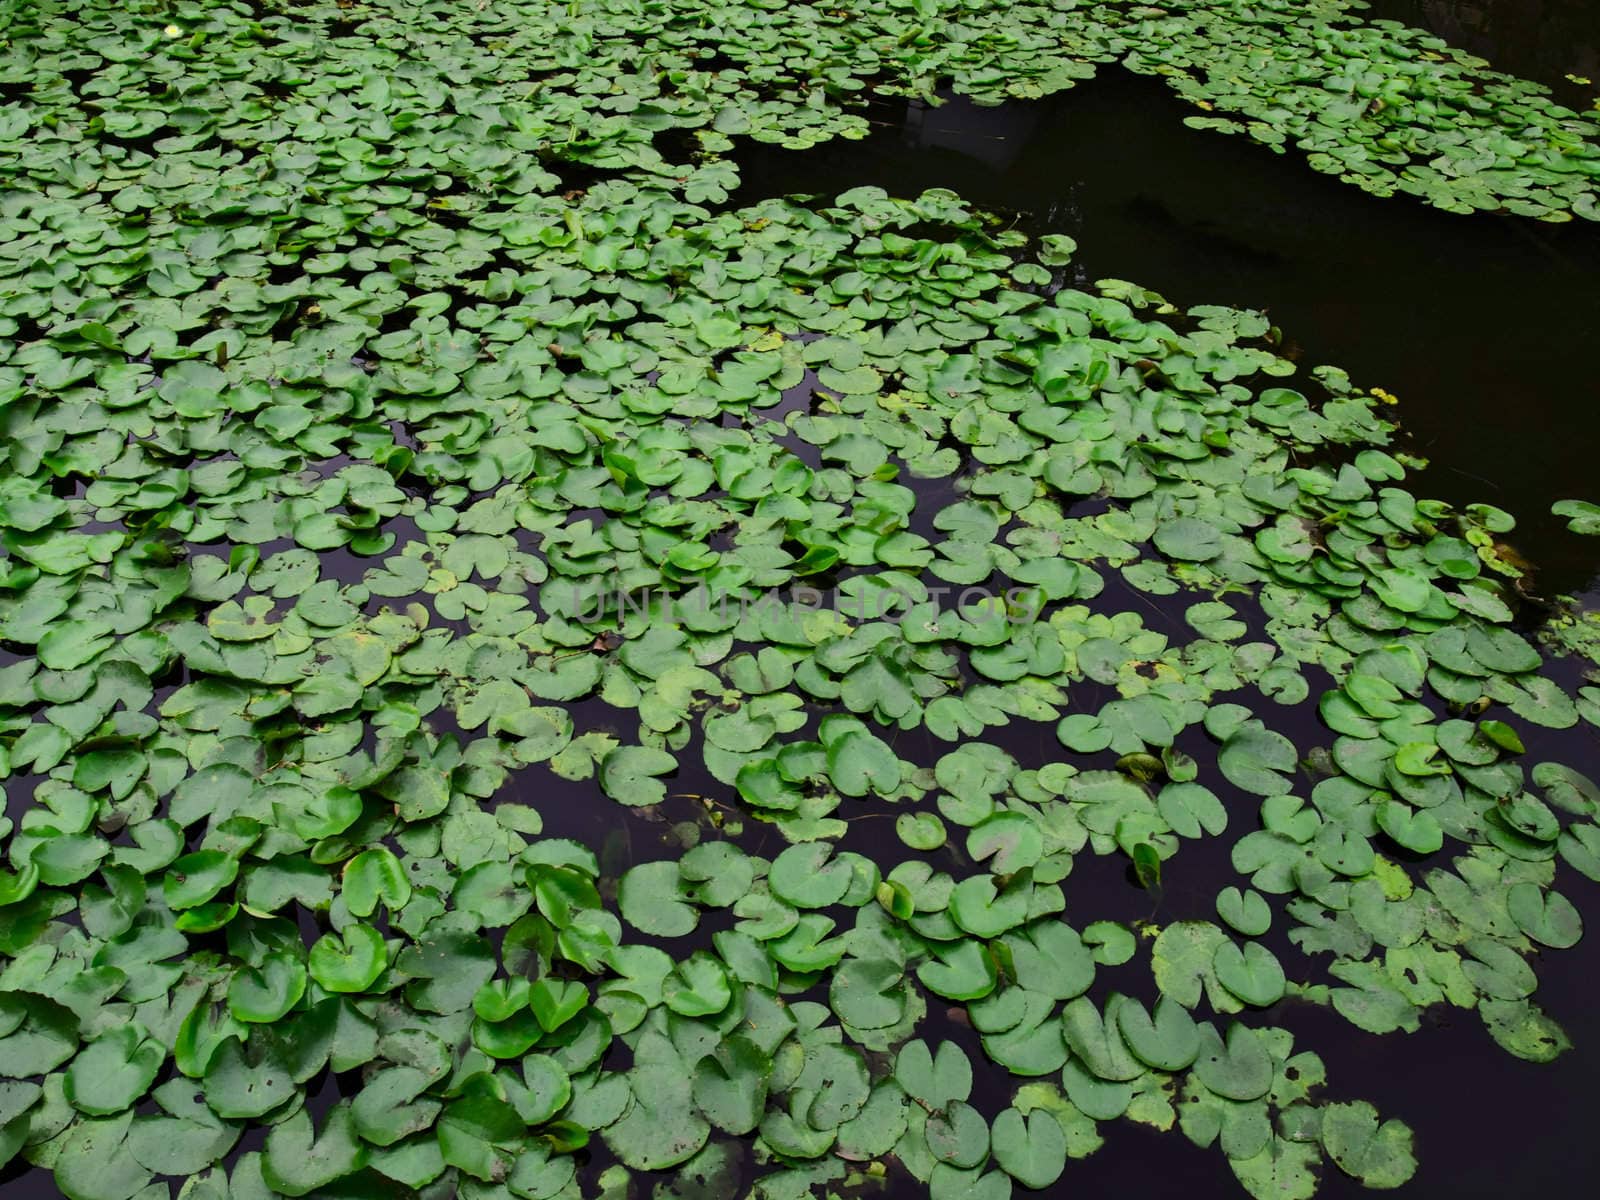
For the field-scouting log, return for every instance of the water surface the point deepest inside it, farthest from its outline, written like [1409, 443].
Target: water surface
[1481, 325]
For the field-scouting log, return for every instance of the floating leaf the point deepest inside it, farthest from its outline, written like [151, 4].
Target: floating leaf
[1251, 972]
[299, 1159]
[1240, 1069]
[113, 1071]
[1031, 1149]
[1254, 758]
[630, 775]
[349, 961]
[1378, 1155]
[1546, 917]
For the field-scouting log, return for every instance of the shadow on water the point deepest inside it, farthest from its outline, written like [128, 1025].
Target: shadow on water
[1478, 323]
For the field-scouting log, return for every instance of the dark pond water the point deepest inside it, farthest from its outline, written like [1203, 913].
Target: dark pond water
[1481, 326]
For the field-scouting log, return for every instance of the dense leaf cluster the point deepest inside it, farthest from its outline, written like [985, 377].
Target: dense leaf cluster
[388, 422]
[244, 98]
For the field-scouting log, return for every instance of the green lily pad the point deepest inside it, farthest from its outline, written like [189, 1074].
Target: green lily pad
[112, 1072]
[1379, 1155]
[1239, 1069]
[1031, 1149]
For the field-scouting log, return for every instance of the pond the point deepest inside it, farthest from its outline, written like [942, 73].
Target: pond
[1459, 316]
[1475, 326]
